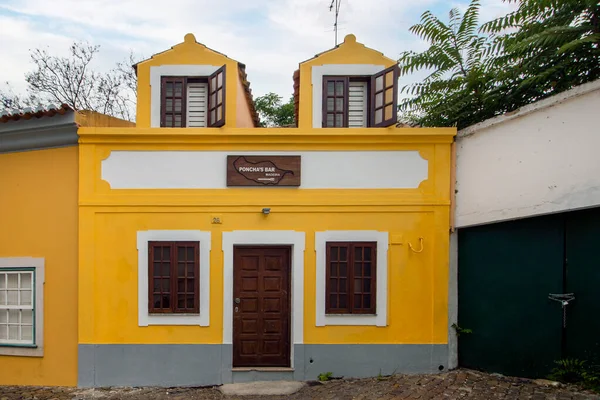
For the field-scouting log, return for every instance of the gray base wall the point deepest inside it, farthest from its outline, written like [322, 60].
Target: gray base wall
[205, 364]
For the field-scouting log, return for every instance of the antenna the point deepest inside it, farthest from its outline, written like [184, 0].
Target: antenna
[336, 4]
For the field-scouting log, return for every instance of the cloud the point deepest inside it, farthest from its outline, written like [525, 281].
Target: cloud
[270, 36]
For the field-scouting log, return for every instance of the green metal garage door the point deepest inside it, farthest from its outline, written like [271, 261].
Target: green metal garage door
[506, 272]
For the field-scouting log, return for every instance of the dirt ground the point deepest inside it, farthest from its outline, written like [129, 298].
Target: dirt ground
[460, 384]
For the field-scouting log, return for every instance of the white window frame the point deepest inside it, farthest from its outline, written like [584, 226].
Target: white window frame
[381, 297]
[37, 264]
[156, 74]
[204, 238]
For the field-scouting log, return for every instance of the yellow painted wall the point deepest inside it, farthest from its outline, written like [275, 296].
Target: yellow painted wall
[38, 218]
[188, 52]
[348, 52]
[110, 219]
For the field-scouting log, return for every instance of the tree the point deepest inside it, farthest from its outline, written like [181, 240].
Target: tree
[542, 48]
[548, 46]
[453, 94]
[71, 80]
[273, 112]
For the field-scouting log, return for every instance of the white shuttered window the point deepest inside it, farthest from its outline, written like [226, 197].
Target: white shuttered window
[197, 104]
[357, 105]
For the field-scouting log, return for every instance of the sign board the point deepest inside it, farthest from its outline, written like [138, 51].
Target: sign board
[263, 170]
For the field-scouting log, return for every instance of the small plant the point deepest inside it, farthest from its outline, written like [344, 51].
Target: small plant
[460, 331]
[381, 377]
[325, 376]
[576, 371]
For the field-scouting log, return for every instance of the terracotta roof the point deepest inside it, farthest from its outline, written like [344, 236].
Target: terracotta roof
[40, 111]
[248, 93]
[296, 95]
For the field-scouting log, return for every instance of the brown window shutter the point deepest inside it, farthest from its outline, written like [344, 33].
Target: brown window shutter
[350, 286]
[384, 97]
[159, 277]
[186, 278]
[172, 101]
[337, 285]
[216, 98]
[173, 277]
[363, 256]
[335, 101]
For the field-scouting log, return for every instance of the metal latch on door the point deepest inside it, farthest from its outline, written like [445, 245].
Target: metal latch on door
[564, 299]
[237, 301]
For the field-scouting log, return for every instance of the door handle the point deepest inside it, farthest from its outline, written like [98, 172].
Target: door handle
[563, 299]
[237, 300]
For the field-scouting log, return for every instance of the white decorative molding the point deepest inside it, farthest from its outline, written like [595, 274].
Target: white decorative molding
[334, 69]
[171, 70]
[319, 169]
[292, 238]
[380, 317]
[144, 317]
[40, 278]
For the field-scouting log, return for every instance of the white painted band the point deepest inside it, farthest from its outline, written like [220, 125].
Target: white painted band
[319, 169]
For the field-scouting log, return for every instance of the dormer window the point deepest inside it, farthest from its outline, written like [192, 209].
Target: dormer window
[193, 101]
[360, 101]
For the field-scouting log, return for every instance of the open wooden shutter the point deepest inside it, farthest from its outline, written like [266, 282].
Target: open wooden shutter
[384, 97]
[172, 102]
[216, 98]
[335, 101]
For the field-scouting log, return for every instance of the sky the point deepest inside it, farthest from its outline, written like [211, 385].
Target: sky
[270, 36]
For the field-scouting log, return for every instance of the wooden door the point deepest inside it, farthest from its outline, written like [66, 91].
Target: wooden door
[261, 302]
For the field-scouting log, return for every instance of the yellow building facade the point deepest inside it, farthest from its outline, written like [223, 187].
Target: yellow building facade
[38, 244]
[197, 248]
[326, 249]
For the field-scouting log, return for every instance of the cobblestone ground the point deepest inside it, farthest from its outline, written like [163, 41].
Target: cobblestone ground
[461, 384]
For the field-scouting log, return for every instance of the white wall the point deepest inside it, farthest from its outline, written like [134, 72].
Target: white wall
[544, 158]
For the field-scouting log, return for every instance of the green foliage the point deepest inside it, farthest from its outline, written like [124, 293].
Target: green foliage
[576, 371]
[551, 46]
[460, 331]
[381, 377]
[325, 376]
[542, 48]
[273, 112]
[452, 94]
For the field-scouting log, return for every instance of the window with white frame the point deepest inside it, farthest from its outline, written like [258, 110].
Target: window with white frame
[173, 277]
[360, 101]
[21, 306]
[351, 278]
[193, 101]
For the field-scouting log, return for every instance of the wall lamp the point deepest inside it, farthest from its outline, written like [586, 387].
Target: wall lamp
[266, 211]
